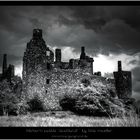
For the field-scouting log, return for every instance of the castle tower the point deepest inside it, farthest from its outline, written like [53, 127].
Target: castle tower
[86, 62]
[38, 60]
[58, 55]
[4, 68]
[119, 66]
[37, 34]
[83, 54]
[123, 82]
[35, 54]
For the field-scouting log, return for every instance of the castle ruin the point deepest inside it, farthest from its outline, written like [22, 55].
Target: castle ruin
[44, 72]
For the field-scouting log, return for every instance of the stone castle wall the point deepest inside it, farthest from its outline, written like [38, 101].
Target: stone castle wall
[50, 86]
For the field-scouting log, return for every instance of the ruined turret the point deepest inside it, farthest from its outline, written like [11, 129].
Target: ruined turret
[123, 82]
[119, 66]
[58, 55]
[37, 34]
[36, 54]
[34, 60]
[83, 54]
[86, 62]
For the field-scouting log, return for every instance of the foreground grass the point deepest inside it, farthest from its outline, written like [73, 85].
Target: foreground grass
[49, 119]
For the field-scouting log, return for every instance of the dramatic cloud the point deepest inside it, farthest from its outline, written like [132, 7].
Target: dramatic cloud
[109, 33]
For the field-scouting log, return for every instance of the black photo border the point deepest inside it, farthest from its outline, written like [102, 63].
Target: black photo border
[69, 132]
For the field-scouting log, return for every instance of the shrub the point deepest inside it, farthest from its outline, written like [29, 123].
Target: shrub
[87, 101]
[35, 104]
[10, 92]
[8, 99]
[68, 103]
[23, 108]
[68, 100]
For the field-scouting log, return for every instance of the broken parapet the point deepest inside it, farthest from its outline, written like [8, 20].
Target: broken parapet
[85, 61]
[123, 82]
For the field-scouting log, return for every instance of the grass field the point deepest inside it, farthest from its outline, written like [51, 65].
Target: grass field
[66, 119]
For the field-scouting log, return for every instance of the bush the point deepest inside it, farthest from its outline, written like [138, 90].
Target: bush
[35, 105]
[23, 108]
[13, 110]
[86, 82]
[87, 101]
[8, 99]
[68, 103]
[10, 92]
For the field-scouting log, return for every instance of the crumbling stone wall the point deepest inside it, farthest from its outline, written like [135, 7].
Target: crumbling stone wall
[48, 85]
[60, 80]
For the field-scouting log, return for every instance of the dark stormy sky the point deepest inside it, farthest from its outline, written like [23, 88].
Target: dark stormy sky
[109, 33]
